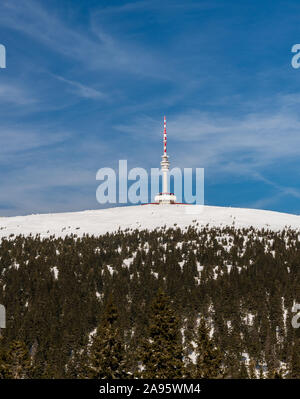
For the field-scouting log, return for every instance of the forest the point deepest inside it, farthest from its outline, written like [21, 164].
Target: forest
[209, 302]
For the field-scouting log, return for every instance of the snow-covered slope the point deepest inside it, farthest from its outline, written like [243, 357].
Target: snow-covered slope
[147, 216]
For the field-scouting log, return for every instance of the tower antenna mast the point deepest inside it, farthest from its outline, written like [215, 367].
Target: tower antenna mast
[165, 197]
[165, 136]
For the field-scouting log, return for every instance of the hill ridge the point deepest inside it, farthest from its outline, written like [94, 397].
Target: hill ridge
[149, 216]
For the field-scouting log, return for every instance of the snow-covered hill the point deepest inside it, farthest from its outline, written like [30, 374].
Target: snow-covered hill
[148, 216]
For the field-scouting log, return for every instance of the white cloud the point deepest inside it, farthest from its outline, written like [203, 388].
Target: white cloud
[35, 189]
[248, 141]
[16, 95]
[82, 90]
[15, 141]
[94, 48]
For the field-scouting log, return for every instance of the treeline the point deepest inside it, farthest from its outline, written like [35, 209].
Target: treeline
[215, 303]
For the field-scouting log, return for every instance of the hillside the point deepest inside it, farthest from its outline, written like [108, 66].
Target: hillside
[237, 268]
[147, 217]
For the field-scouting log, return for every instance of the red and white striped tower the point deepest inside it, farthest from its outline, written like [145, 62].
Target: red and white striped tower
[165, 197]
[165, 136]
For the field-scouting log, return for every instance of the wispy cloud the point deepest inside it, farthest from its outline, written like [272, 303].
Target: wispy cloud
[250, 141]
[16, 141]
[279, 192]
[16, 95]
[47, 189]
[95, 49]
[89, 84]
[82, 90]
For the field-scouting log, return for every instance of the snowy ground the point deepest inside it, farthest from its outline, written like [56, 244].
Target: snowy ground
[147, 216]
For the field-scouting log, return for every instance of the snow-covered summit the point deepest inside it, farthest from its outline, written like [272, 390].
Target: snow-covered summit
[141, 217]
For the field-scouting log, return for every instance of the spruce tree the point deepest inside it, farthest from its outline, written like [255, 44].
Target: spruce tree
[19, 361]
[4, 366]
[278, 375]
[162, 352]
[209, 358]
[252, 374]
[243, 371]
[231, 365]
[295, 362]
[261, 373]
[107, 354]
[77, 365]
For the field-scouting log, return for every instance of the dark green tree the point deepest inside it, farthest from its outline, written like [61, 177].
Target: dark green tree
[278, 374]
[162, 352]
[261, 373]
[19, 361]
[252, 374]
[243, 371]
[77, 365]
[295, 363]
[4, 366]
[209, 358]
[107, 354]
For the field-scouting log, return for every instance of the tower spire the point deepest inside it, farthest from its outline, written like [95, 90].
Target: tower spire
[165, 136]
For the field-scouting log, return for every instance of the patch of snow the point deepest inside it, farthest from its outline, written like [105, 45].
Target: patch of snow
[181, 264]
[127, 262]
[55, 271]
[98, 295]
[101, 221]
[110, 269]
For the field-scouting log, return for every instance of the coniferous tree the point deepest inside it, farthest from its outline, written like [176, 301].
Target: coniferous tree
[107, 354]
[295, 363]
[19, 361]
[261, 373]
[77, 365]
[209, 358]
[231, 366]
[252, 374]
[248, 292]
[243, 371]
[278, 375]
[4, 366]
[162, 352]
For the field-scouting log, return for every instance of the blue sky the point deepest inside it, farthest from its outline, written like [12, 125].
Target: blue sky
[87, 83]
